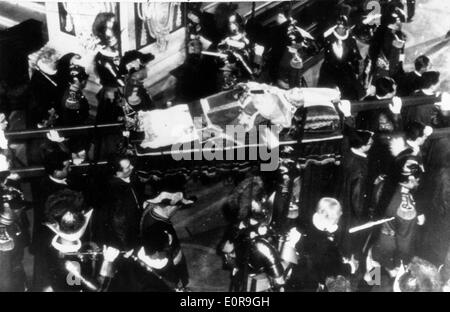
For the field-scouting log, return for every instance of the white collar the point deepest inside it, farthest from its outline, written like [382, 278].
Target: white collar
[339, 37]
[392, 27]
[65, 248]
[427, 92]
[417, 73]
[59, 181]
[358, 152]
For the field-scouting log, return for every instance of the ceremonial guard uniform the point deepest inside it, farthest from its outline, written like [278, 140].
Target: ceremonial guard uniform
[256, 254]
[132, 68]
[396, 239]
[72, 264]
[158, 264]
[236, 66]
[341, 63]
[75, 107]
[387, 49]
[14, 237]
[251, 246]
[156, 219]
[44, 89]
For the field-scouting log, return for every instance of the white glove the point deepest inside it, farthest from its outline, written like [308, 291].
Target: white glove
[396, 106]
[428, 131]
[354, 264]
[444, 105]
[421, 219]
[345, 107]
[13, 176]
[110, 253]
[53, 136]
[293, 237]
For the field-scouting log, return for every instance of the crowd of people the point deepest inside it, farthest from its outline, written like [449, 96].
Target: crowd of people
[384, 228]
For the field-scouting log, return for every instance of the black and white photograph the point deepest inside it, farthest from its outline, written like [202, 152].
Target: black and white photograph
[234, 148]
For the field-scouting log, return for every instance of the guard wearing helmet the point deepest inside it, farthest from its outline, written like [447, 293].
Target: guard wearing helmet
[73, 262]
[396, 240]
[251, 247]
[156, 219]
[14, 237]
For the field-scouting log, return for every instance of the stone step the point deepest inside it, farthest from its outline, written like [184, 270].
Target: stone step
[14, 12]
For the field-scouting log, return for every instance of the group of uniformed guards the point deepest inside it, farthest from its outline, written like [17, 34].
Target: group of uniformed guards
[265, 247]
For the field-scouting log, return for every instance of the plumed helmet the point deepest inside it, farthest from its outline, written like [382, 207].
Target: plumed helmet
[65, 214]
[342, 20]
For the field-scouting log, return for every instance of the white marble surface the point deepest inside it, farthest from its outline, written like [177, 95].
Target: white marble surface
[425, 34]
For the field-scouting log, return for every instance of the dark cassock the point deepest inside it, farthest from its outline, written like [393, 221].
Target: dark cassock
[386, 126]
[279, 40]
[109, 100]
[380, 162]
[45, 96]
[123, 212]
[14, 238]
[354, 196]
[409, 83]
[107, 68]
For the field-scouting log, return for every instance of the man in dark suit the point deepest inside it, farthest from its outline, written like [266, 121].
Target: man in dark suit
[124, 198]
[411, 81]
[354, 192]
[57, 167]
[434, 114]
